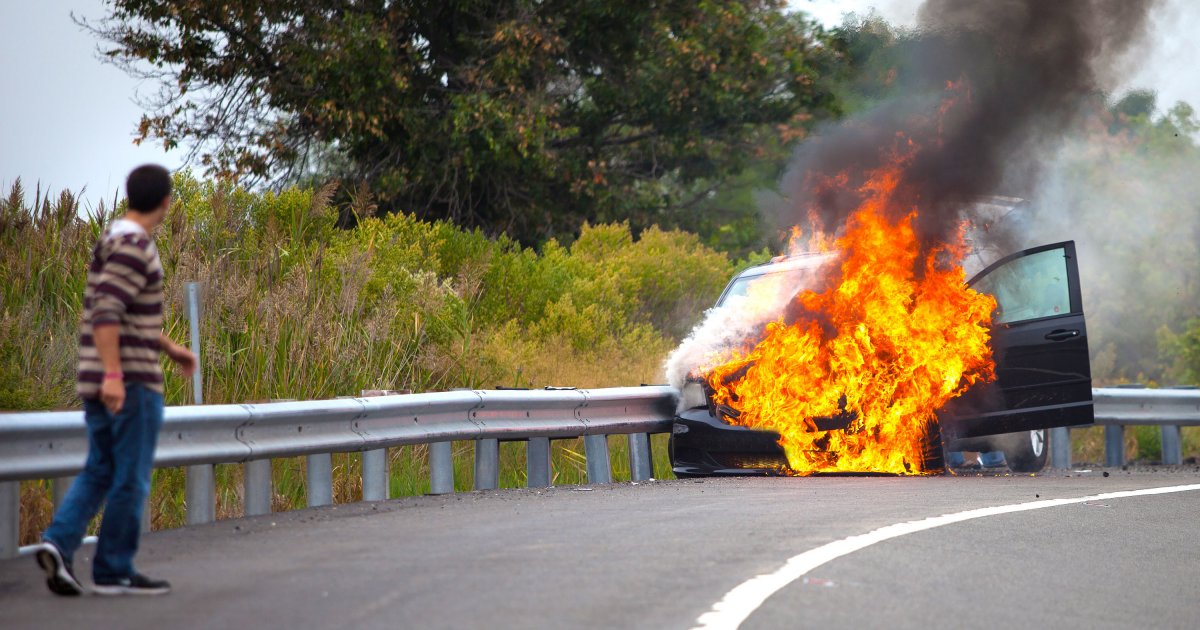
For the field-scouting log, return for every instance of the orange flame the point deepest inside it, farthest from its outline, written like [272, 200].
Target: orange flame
[891, 338]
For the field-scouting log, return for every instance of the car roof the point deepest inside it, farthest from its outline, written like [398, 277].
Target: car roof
[989, 208]
[803, 260]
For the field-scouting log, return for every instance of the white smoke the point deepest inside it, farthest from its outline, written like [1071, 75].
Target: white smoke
[1132, 205]
[725, 328]
[738, 322]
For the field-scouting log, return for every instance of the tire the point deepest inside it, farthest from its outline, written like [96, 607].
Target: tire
[1025, 452]
[931, 446]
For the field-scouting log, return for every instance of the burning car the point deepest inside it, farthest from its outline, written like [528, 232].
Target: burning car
[1037, 375]
[886, 351]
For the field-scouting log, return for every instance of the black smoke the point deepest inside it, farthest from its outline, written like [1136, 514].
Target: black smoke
[1024, 69]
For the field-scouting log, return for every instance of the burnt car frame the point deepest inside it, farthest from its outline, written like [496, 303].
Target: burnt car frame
[1043, 376]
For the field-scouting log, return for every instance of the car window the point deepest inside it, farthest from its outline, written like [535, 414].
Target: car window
[740, 287]
[1029, 287]
[774, 287]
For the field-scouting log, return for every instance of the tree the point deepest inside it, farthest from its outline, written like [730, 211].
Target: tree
[519, 116]
[1136, 103]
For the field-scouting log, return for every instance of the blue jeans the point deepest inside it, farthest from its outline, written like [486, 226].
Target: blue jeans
[991, 459]
[117, 475]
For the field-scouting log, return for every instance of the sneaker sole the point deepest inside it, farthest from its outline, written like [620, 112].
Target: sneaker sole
[57, 579]
[109, 590]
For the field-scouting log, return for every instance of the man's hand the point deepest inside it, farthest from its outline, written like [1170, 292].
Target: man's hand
[184, 358]
[112, 390]
[112, 394]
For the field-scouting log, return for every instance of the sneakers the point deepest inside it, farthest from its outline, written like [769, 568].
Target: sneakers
[59, 576]
[61, 579]
[136, 585]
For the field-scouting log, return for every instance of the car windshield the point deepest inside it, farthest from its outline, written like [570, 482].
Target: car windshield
[775, 286]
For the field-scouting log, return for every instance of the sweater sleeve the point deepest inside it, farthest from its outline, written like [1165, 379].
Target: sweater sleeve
[123, 275]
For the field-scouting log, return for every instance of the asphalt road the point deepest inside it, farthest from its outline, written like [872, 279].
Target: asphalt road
[661, 554]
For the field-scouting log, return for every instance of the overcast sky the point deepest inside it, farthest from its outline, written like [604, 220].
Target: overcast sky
[67, 119]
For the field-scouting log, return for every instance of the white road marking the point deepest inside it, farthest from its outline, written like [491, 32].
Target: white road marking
[744, 599]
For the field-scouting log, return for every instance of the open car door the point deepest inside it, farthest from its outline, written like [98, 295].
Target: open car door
[1039, 341]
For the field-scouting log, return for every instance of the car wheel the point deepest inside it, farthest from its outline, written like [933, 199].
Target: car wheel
[931, 445]
[1026, 452]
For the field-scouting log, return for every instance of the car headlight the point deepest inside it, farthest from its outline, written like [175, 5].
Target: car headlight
[692, 396]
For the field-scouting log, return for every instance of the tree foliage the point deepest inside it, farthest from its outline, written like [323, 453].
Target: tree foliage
[518, 116]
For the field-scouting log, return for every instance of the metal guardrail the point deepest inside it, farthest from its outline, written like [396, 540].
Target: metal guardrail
[1119, 407]
[53, 445]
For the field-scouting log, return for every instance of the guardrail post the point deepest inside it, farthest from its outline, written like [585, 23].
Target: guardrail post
[320, 479]
[146, 514]
[1114, 445]
[257, 488]
[641, 466]
[375, 475]
[441, 468]
[58, 489]
[193, 311]
[1060, 447]
[10, 518]
[595, 448]
[487, 464]
[1172, 449]
[200, 495]
[537, 462]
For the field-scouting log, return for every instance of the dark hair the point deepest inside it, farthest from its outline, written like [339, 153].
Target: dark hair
[147, 186]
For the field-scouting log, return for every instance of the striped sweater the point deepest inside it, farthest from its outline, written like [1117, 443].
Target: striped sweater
[125, 289]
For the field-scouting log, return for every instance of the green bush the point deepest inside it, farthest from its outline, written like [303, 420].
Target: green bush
[1184, 349]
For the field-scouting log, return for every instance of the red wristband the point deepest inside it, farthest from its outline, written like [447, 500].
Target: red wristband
[113, 376]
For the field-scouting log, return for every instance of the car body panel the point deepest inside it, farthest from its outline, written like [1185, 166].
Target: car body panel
[701, 444]
[1043, 373]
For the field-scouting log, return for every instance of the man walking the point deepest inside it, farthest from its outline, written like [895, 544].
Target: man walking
[121, 383]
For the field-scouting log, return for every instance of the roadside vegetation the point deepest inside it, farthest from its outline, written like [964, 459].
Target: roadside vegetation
[295, 307]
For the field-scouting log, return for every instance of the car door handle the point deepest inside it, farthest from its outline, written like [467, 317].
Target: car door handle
[1061, 335]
